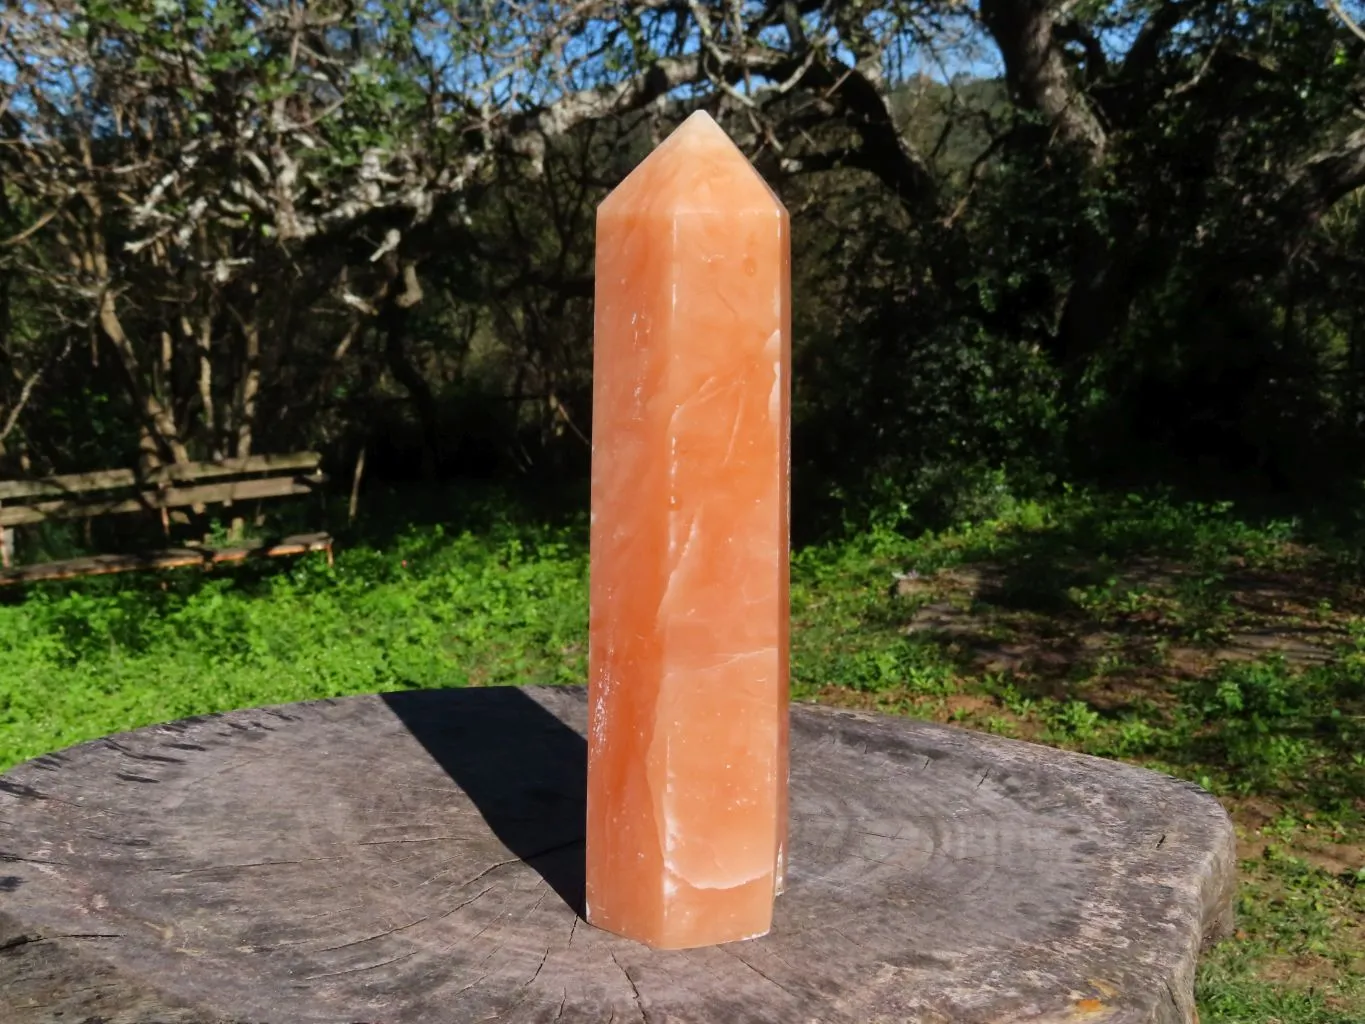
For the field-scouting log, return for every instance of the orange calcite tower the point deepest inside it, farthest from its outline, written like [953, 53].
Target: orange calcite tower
[688, 664]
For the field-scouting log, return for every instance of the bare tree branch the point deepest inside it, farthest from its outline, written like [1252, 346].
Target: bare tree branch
[26, 392]
[1323, 179]
[1346, 19]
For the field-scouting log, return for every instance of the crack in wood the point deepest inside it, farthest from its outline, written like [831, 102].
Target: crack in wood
[14, 858]
[783, 961]
[358, 970]
[534, 906]
[485, 928]
[847, 938]
[526, 988]
[882, 835]
[76, 991]
[471, 880]
[461, 905]
[635, 991]
[1170, 994]
[770, 980]
[515, 860]
[251, 864]
[428, 839]
[899, 768]
[473, 984]
[539, 967]
[20, 790]
[136, 756]
[371, 938]
[26, 940]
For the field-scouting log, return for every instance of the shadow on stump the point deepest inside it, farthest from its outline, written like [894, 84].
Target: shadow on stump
[524, 769]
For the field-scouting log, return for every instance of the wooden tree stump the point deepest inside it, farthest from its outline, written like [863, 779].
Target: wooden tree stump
[418, 857]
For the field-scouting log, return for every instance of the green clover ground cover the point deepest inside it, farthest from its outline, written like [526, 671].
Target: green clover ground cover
[83, 659]
[1176, 636]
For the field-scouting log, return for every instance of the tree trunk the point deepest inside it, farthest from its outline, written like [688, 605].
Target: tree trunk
[1097, 305]
[1037, 73]
[204, 352]
[249, 388]
[394, 322]
[160, 436]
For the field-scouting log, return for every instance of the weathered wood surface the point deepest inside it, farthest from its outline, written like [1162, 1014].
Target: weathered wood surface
[417, 858]
[81, 506]
[108, 479]
[168, 558]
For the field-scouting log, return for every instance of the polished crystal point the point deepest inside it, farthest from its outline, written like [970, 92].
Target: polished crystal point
[688, 667]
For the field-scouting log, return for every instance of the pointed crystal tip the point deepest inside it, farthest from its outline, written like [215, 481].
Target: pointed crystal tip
[697, 169]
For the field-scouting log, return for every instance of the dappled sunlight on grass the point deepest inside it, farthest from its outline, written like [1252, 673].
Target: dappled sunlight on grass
[1174, 636]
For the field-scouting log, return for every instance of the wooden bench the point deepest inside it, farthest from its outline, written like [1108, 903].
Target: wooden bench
[177, 486]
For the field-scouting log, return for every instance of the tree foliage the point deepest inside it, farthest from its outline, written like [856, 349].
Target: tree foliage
[1030, 233]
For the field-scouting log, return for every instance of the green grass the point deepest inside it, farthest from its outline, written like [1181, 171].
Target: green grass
[1177, 636]
[83, 659]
